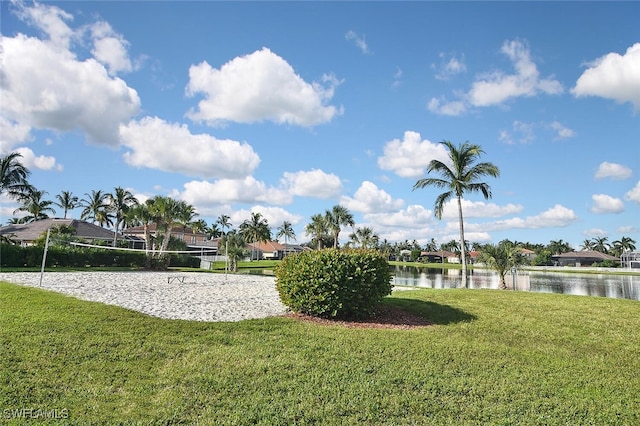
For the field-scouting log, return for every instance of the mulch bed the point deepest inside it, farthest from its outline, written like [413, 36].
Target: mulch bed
[387, 317]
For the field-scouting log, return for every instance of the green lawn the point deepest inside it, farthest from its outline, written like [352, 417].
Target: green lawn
[491, 357]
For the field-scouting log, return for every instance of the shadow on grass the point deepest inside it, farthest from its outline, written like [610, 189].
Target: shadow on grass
[435, 313]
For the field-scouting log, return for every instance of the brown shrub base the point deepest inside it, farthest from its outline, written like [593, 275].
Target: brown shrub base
[387, 316]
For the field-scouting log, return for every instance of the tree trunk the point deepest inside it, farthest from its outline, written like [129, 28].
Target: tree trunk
[463, 252]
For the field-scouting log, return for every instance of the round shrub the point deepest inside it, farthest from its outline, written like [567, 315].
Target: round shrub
[340, 284]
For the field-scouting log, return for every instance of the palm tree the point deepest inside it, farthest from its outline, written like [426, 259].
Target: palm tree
[254, 230]
[600, 244]
[224, 223]
[33, 204]
[168, 213]
[318, 229]
[235, 248]
[558, 247]
[501, 258]
[119, 204]
[586, 245]
[365, 237]
[286, 230]
[337, 217]
[199, 226]
[213, 231]
[459, 177]
[95, 207]
[13, 176]
[622, 245]
[432, 245]
[66, 201]
[142, 214]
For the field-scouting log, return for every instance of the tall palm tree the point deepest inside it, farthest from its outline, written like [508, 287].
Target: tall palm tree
[600, 244]
[318, 229]
[235, 248]
[120, 201]
[286, 230]
[66, 201]
[586, 245]
[172, 213]
[432, 245]
[13, 176]
[224, 223]
[95, 207]
[365, 237]
[142, 214]
[338, 217]
[33, 204]
[256, 229]
[622, 245]
[558, 247]
[501, 258]
[459, 177]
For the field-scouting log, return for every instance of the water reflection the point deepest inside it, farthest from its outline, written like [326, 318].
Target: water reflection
[602, 285]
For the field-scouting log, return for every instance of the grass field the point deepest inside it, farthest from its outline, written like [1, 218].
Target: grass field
[490, 357]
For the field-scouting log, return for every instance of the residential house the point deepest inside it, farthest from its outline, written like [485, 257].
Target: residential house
[582, 258]
[439, 257]
[195, 241]
[26, 234]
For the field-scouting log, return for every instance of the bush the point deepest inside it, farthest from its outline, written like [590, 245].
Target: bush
[340, 284]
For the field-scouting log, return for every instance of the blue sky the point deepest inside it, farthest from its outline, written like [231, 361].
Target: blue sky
[288, 108]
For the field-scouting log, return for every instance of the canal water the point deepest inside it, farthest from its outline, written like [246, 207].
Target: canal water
[602, 285]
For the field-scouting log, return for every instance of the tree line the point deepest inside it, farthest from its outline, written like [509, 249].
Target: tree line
[120, 209]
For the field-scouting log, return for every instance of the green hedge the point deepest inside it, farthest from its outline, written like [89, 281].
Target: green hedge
[65, 256]
[340, 284]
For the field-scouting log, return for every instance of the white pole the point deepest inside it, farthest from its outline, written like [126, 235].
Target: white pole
[44, 256]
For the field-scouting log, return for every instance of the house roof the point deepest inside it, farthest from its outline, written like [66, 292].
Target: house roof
[267, 246]
[440, 253]
[33, 230]
[586, 254]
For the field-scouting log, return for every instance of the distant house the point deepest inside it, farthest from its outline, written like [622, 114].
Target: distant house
[630, 259]
[195, 241]
[26, 234]
[529, 255]
[582, 258]
[438, 256]
[269, 250]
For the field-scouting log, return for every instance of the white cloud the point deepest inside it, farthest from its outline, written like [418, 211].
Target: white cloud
[603, 203]
[256, 87]
[634, 194]
[12, 134]
[368, 198]
[226, 191]
[613, 76]
[41, 162]
[410, 157]
[449, 66]
[414, 216]
[359, 41]
[613, 171]
[110, 48]
[171, 147]
[594, 232]
[49, 19]
[521, 133]
[557, 216]
[45, 86]
[275, 216]
[314, 183]
[562, 132]
[471, 209]
[444, 107]
[497, 87]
